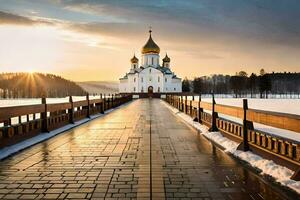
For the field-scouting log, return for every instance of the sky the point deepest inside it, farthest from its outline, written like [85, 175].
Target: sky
[93, 40]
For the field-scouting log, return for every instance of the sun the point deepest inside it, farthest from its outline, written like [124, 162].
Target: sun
[30, 71]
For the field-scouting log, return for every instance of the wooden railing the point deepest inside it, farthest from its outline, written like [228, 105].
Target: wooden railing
[282, 150]
[21, 122]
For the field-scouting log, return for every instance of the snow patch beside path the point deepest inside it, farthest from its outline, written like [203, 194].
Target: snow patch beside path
[279, 173]
[10, 150]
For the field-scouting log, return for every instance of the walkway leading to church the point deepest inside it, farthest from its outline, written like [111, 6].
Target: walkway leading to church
[142, 151]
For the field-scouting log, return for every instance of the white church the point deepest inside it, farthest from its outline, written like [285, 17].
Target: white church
[150, 76]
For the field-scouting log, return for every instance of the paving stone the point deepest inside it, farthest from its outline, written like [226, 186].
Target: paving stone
[76, 195]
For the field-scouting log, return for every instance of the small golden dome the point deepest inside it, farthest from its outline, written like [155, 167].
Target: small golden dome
[150, 46]
[134, 59]
[166, 58]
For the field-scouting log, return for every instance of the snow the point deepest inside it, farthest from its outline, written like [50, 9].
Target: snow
[10, 150]
[279, 173]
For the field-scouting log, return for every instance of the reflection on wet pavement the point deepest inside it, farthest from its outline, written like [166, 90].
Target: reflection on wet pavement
[140, 151]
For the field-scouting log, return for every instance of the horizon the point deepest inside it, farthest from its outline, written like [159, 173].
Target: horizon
[117, 81]
[94, 41]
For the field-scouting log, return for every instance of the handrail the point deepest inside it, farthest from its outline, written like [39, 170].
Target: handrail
[26, 120]
[279, 120]
[58, 106]
[14, 111]
[282, 150]
[230, 110]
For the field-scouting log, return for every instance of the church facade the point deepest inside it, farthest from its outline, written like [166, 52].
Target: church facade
[150, 76]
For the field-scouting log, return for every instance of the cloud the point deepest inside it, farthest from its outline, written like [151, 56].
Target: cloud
[192, 26]
[7, 18]
[262, 22]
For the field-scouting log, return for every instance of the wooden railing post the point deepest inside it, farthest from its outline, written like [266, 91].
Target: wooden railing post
[101, 104]
[191, 106]
[200, 110]
[71, 111]
[213, 127]
[185, 105]
[108, 102]
[7, 128]
[247, 125]
[44, 119]
[88, 114]
[104, 103]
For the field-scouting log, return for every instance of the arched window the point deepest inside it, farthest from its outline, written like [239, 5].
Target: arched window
[166, 79]
[142, 80]
[134, 80]
[158, 89]
[150, 70]
[158, 79]
[152, 61]
[142, 90]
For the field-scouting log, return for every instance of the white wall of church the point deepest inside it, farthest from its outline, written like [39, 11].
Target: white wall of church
[140, 82]
[151, 77]
[150, 60]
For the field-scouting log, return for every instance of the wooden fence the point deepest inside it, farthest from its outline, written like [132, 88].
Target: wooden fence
[281, 150]
[21, 122]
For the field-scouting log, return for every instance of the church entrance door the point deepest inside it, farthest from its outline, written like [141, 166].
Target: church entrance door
[150, 91]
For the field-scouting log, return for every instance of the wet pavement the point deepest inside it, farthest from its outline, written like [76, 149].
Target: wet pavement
[139, 151]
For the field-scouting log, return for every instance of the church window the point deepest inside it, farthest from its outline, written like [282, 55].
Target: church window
[158, 78]
[166, 79]
[152, 59]
[150, 70]
[134, 80]
[174, 89]
[134, 89]
[142, 79]
[142, 90]
[166, 89]
[158, 89]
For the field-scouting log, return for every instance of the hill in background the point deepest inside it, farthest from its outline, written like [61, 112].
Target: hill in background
[36, 85]
[100, 87]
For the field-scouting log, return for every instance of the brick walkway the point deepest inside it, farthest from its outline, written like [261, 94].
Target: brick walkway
[140, 151]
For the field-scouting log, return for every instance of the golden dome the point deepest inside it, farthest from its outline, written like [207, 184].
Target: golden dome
[150, 46]
[166, 58]
[134, 59]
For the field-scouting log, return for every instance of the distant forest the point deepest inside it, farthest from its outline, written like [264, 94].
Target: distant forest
[36, 85]
[241, 84]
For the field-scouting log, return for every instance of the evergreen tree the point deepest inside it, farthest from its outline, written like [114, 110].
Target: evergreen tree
[186, 85]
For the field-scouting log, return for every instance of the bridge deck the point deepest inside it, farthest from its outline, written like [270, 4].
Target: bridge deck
[141, 150]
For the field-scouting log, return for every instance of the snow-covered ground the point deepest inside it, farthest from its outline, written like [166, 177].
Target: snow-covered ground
[291, 106]
[279, 173]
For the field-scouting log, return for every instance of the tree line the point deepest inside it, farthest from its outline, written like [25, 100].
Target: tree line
[241, 84]
[36, 85]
